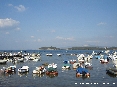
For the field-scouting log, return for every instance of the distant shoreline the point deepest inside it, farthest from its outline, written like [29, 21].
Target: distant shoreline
[79, 48]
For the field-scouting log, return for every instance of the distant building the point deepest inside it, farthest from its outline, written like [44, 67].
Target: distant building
[49, 48]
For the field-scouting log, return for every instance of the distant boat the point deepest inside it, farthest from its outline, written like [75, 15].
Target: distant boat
[49, 54]
[39, 70]
[58, 54]
[76, 65]
[53, 65]
[3, 61]
[88, 65]
[23, 69]
[66, 66]
[9, 69]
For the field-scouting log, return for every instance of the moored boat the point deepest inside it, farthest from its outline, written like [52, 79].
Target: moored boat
[88, 65]
[72, 61]
[66, 66]
[39, 70]
[9, 69]
[76, 65]
[112, 71]
[82, 72]
[49, 54]
[23, 69]
[51, 71]
[53, 65]
[3, 61]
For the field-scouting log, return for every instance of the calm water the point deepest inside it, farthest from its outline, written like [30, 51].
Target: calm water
[66, 78]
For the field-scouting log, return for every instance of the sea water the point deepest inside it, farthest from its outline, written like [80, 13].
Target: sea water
[65, 78]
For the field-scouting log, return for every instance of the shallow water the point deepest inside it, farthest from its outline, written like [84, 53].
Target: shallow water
[66, 78]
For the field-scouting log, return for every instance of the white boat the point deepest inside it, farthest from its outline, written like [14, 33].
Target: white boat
[20, 60]
[114, 57]
[49, 54]
[3, 61]
[13, 68]
[23, 69]
[39, 70]
[35, 59]
[115, 65]
[104, 60]
[81, 58]
[88, 65]
[58, 54]
[34, 56]
[52, 65]
[76, 65]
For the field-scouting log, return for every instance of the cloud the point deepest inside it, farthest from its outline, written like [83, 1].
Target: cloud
[32, 36]
[20, 8]
[17, 29]
[101, 23]
[53, 31]
[109, 36]
[7, 33]
[8, 22]
[96, 41]
[10, 5]
[39, 40]
[68, 39]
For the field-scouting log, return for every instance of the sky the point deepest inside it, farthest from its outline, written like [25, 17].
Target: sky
[31, 24]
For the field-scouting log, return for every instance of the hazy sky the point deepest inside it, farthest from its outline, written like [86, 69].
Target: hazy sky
[31, 24]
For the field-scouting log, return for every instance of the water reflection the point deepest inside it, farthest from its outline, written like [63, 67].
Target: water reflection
[3, 74]
[38, 75]
[23, 74]
[52, 75]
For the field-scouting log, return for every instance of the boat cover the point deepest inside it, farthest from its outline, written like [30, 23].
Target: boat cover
[51, 69]
[81, 70]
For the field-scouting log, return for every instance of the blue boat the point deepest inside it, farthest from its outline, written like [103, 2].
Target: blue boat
[82, 72]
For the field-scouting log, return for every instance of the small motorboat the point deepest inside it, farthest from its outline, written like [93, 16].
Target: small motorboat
[3, 61]
[112, 71]
[53, 65]
[72, 61]
[82, 72]
[39, 70]
[20, 59]
[66, 66]
[23, 69]
[76, 65]
[104, 61]
[13, 68]
[52, 71]
[9, 69]
[49, 54]
[66, 62]
[81, 60]
[88, 65]
[58, 54]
